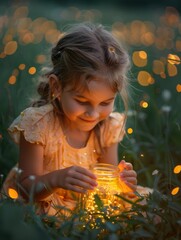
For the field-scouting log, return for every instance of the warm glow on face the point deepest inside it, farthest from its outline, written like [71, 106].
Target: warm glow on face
[12, 193]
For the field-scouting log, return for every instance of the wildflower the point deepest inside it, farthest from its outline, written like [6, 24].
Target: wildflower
[166, 95]
[32, 177]
[131, 113]
[166, 108]
[15, 169]
[155, 172]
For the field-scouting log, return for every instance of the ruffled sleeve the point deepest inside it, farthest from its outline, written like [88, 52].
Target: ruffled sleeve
[113, 130]
[33, 123]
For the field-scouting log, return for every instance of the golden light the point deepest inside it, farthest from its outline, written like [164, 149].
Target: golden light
[144, 78]
[22, 66]
[178, 45]
[40, 58]
[158, 67]
[32, 70]
[129, 130]
[47, 25]
[172, 70]
[148, 38]
[144, 104]
[52, 36]
[143, 54]
[27, 38]
[2, 55]
[12, 193]
[178, 87]
[163, 75]
[119, 30]
[171, 16]
[24, 25]
[10, 48]
[139, 58]
[173, 59]
[7, 38]
[175, 190]
[137, 30]
[12, 80]
[109, 184]
[15, 72]
[177, 169]
[21, 12]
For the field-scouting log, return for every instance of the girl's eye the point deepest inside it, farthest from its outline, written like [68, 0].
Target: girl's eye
[105, 103]
[81, 103]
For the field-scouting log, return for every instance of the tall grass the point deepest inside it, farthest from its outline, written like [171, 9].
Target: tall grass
[154, 145]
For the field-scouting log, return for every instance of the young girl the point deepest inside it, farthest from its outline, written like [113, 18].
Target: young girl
[73, 126]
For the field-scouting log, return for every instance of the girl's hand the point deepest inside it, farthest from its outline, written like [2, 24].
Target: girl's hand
[128, 175]
[77, 179]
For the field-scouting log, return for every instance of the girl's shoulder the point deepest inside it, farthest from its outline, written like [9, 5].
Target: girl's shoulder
[36, 113]
[113, 129]
[33, 122]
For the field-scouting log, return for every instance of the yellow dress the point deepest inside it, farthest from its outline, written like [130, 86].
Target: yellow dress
[41, 125]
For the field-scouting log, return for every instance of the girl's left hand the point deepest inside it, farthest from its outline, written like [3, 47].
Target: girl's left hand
[128, 175]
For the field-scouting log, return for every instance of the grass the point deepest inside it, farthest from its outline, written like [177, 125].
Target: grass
[154, 145]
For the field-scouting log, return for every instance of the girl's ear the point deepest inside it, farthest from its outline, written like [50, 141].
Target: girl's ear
[55, 86]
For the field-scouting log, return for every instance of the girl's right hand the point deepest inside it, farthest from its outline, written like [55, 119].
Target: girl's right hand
[76, 178]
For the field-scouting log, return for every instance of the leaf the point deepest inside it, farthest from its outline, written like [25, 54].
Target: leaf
[98, 201]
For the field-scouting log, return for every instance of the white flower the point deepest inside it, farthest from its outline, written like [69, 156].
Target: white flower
[166, 95]
[131, 113]
[16, 169]
[166, 108]
[19, 171]
[32, 177]
[155, 172]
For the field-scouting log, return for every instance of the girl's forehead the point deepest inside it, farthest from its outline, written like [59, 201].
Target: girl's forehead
[89, 82]
[94, 89]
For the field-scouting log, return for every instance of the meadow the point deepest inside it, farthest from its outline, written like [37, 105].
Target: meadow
[153, 132]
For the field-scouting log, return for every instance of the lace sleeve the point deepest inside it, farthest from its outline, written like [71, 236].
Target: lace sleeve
[113, 130]
[33, 123]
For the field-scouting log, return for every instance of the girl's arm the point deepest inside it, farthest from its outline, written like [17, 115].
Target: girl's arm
[127, 175]
[31, 159]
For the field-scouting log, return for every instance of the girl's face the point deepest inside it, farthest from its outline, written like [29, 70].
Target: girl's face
[83, 109]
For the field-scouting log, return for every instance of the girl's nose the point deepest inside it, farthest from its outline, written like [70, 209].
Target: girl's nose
[92, 113]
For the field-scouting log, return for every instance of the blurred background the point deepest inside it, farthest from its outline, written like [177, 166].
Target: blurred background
[151, 32]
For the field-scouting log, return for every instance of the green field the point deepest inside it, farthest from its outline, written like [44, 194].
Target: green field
[153, 141]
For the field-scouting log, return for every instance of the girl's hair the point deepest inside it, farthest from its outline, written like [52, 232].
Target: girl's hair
[84, 52]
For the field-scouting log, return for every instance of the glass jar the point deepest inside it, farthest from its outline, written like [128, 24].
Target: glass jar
[103, 197]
